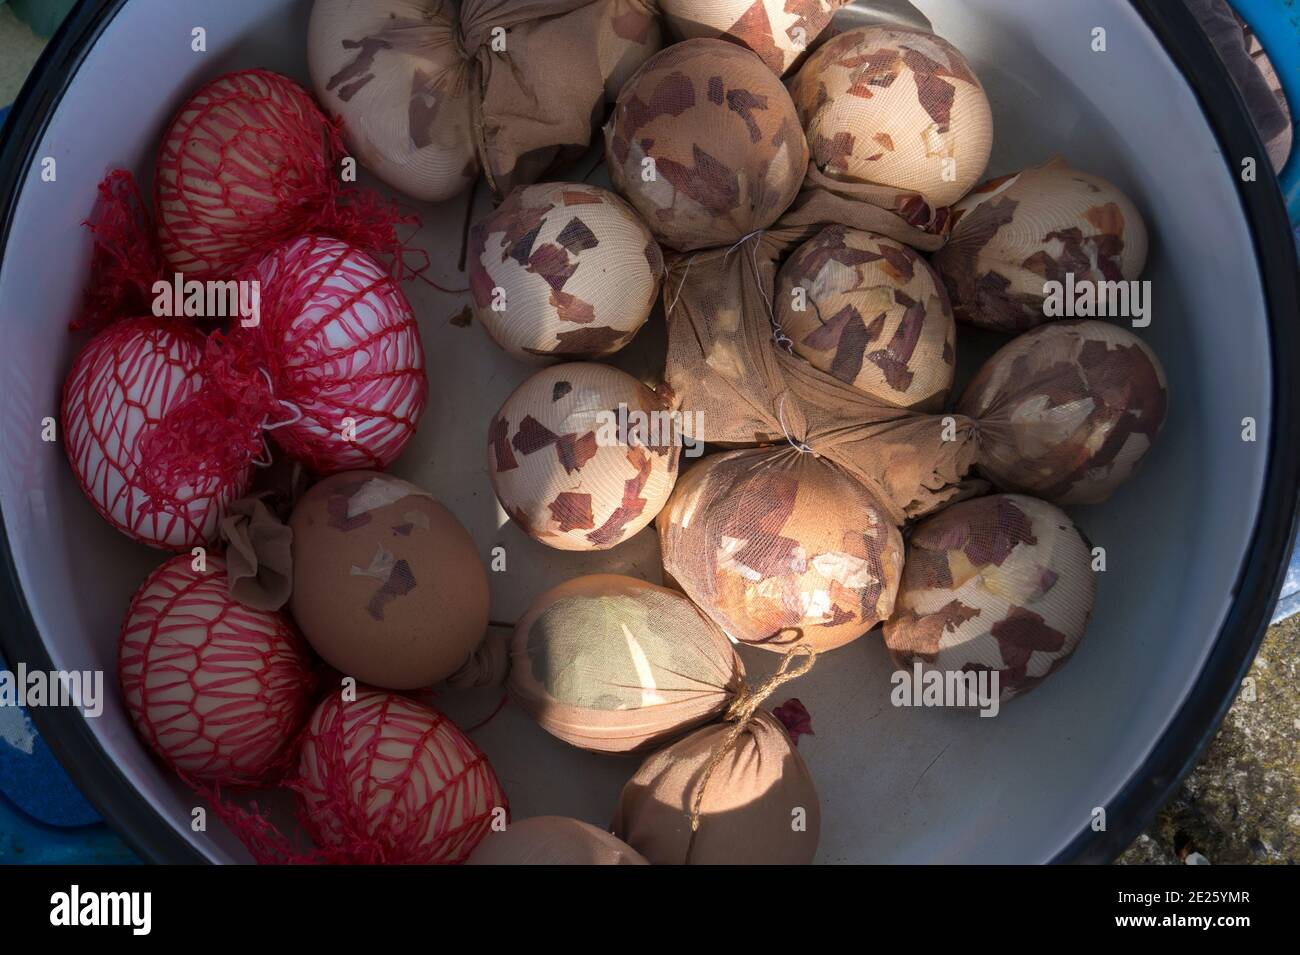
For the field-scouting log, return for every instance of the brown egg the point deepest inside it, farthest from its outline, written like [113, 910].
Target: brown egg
[706, 144]
[779, 31]
[1013, 235]
[1001, 583]
[388, 587]
[781, 548]
[872, 313]
[1067, 411]
[758, 807]
[554, 840]
[898, 109]
[582, 456]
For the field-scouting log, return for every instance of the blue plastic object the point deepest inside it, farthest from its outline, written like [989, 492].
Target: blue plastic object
[1277, 25]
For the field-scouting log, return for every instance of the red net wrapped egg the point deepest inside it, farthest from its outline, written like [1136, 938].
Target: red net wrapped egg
[244, 164]
[563, 269]
[1001, 583]
[121, 387]
[582, 456]
[344, 353]
[219, 690]
[384, 779]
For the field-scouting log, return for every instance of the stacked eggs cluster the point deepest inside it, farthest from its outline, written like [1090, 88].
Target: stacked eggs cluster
[797, 206]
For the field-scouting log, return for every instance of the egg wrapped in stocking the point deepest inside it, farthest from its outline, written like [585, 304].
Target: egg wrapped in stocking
[123, 385]
[554, 840]
[247, 162]
[705, 143]
[615, 665]
[1051, 223]
[1001, 583]
[779, 31]
[388, 587]
[781, 548]
[563, 269]
[343, 346]
[392, 70]
[758, 806]
[1067, 411]
[384, 779]
[899, 111]
[217, 689]
[871, 312]
[582, 456]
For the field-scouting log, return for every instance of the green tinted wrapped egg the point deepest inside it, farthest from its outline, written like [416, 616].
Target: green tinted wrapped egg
[614, 664]
[563, 269]
[899, 110]
[1001, 583]
[582, 456]
[871, 312]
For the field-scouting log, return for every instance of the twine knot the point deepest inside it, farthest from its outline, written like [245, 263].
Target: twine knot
[800, 446]
[741, 712]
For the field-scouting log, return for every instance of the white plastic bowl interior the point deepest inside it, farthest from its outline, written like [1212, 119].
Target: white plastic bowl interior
[896, 785]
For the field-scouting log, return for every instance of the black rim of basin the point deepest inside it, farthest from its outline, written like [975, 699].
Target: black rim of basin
[1192, 726]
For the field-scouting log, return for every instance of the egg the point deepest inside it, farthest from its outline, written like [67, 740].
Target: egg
[344, 352]
[122, 387]
[705, 143]
[1002, 584]
[582, 456]
[243, 164]
[388, 587]
[563, 270]
[759, 806]
[1047, 224]
[614, 664]
[217, 689]
[1067, 411]
[384, 779]
[872, 313]
[779, 31]
[781, 548]
[554, 840]
[395, 73]
[899, 110]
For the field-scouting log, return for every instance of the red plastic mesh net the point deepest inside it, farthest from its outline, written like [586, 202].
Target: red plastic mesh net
[341, 345]
[125, 261]
[381, 780]
[250, 161]
[334, 371]
[125, 383]
[217, 689]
